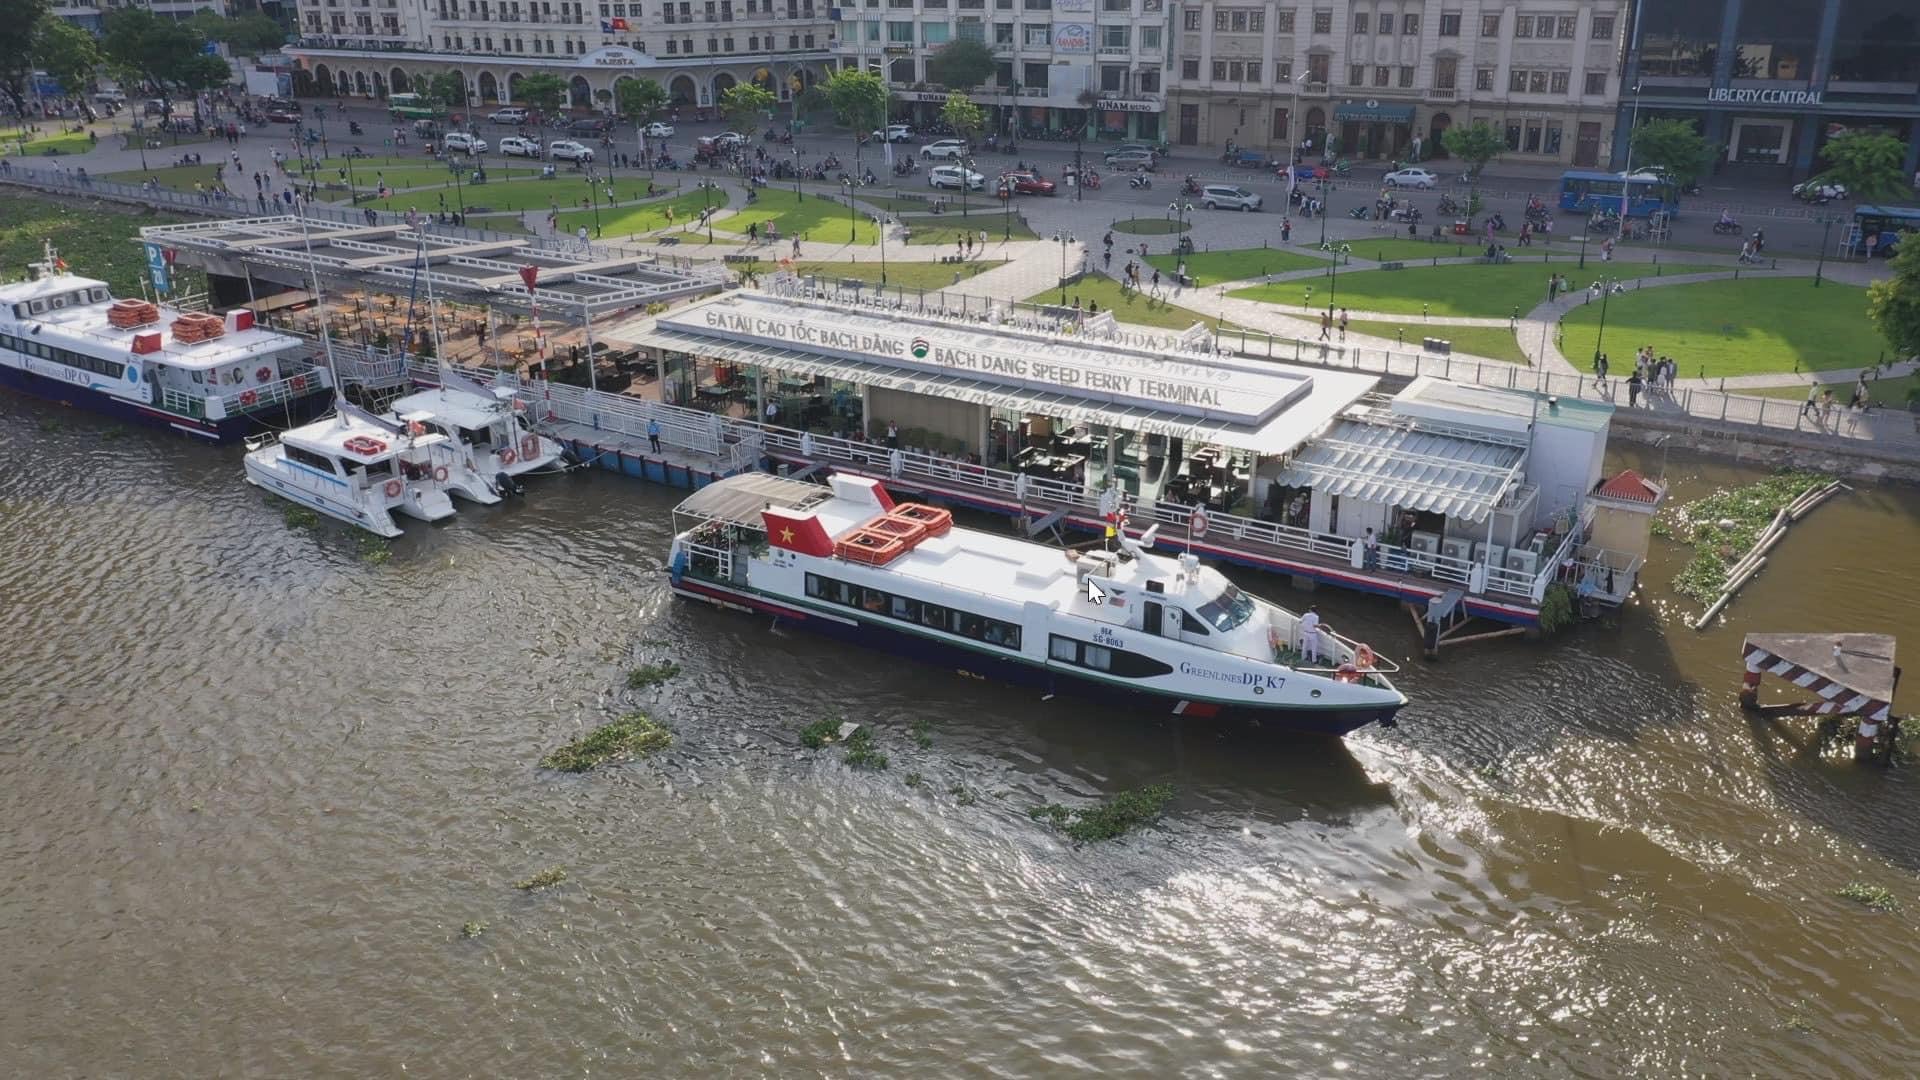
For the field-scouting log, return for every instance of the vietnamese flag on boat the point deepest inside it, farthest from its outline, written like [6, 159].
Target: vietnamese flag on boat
[796, 532]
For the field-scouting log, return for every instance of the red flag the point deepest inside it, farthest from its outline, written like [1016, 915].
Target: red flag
[619, 24]
[529, 275]
[797, 532]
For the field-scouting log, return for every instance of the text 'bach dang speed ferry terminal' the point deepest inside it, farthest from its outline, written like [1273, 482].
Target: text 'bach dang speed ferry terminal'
[1143, 630]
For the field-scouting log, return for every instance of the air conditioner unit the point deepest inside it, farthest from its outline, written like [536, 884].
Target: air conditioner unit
[1492, 555]
[1523, 562]
[1460, 550]
[1421, 547]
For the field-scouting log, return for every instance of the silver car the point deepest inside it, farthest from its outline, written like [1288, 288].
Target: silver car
[1228, 197]
[1129, 160]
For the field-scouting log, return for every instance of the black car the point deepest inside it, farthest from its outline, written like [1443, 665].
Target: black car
[594, 125]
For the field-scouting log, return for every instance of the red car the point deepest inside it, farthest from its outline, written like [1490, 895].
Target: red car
[1026, 183]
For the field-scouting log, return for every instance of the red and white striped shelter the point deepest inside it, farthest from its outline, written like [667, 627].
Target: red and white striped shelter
[1848, 674]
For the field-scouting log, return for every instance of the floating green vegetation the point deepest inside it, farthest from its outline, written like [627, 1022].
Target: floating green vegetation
[299, 517]
[821, 732]
[914, 779]
[651, 674]
[1876, 897]
[473, 929]
[1114, 818]
[545, 879]
[1556, 608]
[633, 735]
[860, 751]
[1723, 526]
[375, 549]
[962, 795]
[923, 733]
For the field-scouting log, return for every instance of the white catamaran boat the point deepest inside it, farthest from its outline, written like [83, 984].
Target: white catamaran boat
[65, 338]
[1127, 625]
[356, 467]
[487, 437]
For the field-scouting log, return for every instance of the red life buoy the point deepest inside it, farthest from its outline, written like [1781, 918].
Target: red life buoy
[507, 456]
[393, 488]
[416, 429]
[299, 383]
[530, 447]
[440, 474]
[265, 374]
[247, 398]
[364, 445]
[1197, 523]
[1363, 658]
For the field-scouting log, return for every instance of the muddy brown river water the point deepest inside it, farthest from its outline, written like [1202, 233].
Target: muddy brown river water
[252, 786]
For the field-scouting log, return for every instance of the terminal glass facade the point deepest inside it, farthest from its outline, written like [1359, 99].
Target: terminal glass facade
[1877, 41]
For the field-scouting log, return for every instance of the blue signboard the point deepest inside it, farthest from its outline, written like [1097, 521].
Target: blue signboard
[157, 269]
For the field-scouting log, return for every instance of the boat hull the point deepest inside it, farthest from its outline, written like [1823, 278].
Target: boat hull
[883, 636]
[376, 520]
[230, 430]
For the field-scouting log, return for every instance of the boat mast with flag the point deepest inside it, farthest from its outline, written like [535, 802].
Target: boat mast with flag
[1158, 632]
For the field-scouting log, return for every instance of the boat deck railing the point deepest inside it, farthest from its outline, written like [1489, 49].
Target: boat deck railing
[268, 394]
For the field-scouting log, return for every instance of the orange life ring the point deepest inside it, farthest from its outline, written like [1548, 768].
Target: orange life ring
[1363, 657]
[264, 374]
[1347, 673]
[247, 398]
[299, 383]
[416, 429]
[507, 456]
[530, 447]
[1197, 522]
[364, 445]
[393, 488]
[440, 474]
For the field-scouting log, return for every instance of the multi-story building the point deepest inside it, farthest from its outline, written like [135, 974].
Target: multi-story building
[1382, 79]
[1058, 60]
[90, 15]
[695, 48]
[1768, 82]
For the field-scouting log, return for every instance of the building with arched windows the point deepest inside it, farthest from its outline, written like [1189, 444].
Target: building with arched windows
[696, 49]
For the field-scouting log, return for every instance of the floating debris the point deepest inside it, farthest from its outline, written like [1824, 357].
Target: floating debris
[299, 517]
[545, 879]
[651, 674]
[474, 929]
[374, 549]
[1724, 525]
[1114, 818]
[914, 779]
[923, 733]
[860, 751]
[962, 795]
[634, 735]
[821, 732]
[1877, 897]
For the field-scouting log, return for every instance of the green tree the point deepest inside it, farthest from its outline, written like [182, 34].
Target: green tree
[858, 98]
[962, 115]
[140, 45]
[1476, 144]
[66, 52]
[17, 59]
[246, 35]
[1894, 304]
[812, 100]
[1674, 145]
[544, 91]
[639, 100]
[1868, 164]
[961, 64]
[448, 88]
[745, 105]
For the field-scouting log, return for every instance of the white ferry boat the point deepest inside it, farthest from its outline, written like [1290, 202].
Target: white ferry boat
[487, 436]
[65, 338]
[356, 467]
[1127, 625]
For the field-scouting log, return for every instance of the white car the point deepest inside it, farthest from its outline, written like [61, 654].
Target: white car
[568, 150]
[945, 148]
[512, 114]
[1413, 178]
[515, 146]
[466, 143]
[1813, 192]
[658, 130]
[729, 139]
[949, 176]
[1228, 197]
[895, 133]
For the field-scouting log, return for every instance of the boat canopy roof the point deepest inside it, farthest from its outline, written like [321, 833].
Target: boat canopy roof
[457, 407]
[738, 500]
[331, 435]
[1393, 461]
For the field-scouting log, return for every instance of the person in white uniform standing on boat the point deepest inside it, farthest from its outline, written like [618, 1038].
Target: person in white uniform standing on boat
[1310, 633]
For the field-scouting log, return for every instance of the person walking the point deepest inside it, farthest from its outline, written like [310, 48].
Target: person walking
[1634, 384]
[1286, 230]
[1326, 324]
[1343, 325]
[1826, 409]
[1156, 282]
[1812, 406]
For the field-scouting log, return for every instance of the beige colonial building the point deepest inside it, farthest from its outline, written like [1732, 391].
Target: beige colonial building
[694, 48]
[1383, 78]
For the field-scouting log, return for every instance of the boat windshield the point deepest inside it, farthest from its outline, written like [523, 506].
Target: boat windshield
[1227, 610]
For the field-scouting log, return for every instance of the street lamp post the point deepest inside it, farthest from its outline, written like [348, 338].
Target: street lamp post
[1320, 196]
[459, 195]
[1606, 292]
[1583, 250]
[1826, 229]
[966, 177]
[593, 199]
[1063, 239]
[848, 184]
[320, 114]
[1006, 233]
[797, 197]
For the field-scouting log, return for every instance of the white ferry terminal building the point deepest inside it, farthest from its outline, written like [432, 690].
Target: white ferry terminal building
[1470, 496]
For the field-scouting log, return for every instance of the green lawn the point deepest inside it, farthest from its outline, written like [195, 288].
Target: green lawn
[566, 191]
[1147, 226]
[91, 236]
[905, 275]
[947, 228]
[1492, 342]
[37, 145]
[1735, 327]
[179, 177]
[1132, 307]
[810, 218]
[646, 217]
[1214, 267]
[1401, 249]
[1888, 393]
[1470, 290]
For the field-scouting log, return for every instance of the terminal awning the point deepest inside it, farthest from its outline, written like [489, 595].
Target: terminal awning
[1374, 110]
[1277, 435]
[1400, 465]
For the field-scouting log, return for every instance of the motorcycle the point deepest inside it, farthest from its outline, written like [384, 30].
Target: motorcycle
[830, 162]
[1359, 213]
[1408, 214]
[1726, 228]
[1138, 181]
[904, 167]
[1497, 223]
[1447, 205]
[1191, 186]
[353, 128]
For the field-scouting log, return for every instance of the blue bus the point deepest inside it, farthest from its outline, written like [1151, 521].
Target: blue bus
[1647, 193]
[1885, 226]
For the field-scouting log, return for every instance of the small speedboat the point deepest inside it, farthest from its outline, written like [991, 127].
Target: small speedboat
[356, 467]
[489, 442]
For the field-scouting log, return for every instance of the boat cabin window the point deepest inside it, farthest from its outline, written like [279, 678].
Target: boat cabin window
[966, 624]
[44, 351]
[308, 458]
[1190, 624]
[476, 436]
[1131, 665]
[1229, 608]
[378, 470]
